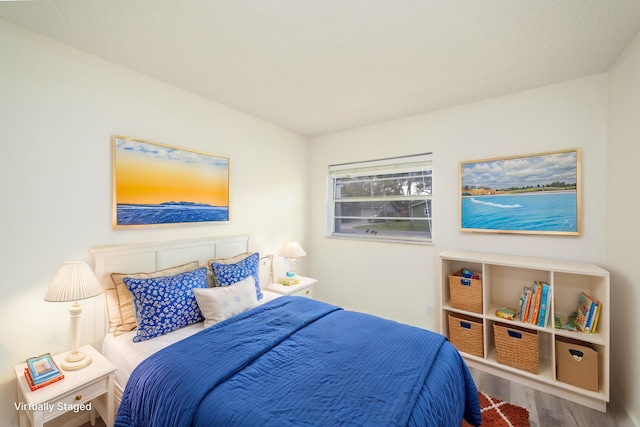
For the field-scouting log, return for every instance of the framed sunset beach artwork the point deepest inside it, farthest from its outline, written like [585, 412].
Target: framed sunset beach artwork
[532, 194]
[157, 184]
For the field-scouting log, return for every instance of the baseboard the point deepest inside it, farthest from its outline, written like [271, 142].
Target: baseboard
[623, 418]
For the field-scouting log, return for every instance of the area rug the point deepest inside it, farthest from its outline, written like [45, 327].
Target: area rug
[496, 413]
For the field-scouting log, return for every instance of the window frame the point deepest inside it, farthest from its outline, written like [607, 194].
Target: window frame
[389, 169]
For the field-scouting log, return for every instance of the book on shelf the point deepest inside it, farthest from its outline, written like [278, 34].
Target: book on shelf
[531, 305]
[545, 301]
[34, 387]
[595, 320]
[42, 368]
[521, 302]
[592, 309]
[586, 313]
[594, 313]
[547, 313]
[536, 307]
[582, 312]
[526, 304]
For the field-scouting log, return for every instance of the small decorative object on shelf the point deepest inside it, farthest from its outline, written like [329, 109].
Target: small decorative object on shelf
[568, 323]
[468, 274]
[287, 281]
[506, 313]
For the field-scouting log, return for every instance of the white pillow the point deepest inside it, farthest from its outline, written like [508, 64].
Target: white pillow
[220, 303]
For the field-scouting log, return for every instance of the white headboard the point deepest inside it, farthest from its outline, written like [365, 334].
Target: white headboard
[148, 257]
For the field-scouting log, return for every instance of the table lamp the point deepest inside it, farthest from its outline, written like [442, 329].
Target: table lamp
[291, 251]
[74, 281]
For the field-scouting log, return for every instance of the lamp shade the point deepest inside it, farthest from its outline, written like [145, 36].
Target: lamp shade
[292, 249]
[74, 281]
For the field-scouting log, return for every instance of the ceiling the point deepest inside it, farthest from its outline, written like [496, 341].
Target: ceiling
[320, 66]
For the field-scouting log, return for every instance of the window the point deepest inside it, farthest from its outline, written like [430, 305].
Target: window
[388, 200]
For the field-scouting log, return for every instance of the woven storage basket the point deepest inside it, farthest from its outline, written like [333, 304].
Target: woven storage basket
[517, 347]
[465, 333]
[466, 294]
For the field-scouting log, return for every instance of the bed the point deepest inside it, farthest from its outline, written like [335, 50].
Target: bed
[284, 361]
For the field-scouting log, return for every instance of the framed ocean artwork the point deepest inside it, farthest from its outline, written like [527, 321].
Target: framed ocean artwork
[156, 184]
[530, 194]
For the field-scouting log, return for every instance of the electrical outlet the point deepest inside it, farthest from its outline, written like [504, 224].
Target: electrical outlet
[430, 311]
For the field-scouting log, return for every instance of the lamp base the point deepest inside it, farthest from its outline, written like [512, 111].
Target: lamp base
[75, 361]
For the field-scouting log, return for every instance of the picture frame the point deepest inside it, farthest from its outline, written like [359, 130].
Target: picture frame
[42, 368]
[527, 194]
[157, 184]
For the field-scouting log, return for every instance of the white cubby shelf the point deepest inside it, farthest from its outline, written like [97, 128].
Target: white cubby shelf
[503, 277]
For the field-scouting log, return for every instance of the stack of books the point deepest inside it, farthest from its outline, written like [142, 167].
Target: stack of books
[42, 371]
[535, 304]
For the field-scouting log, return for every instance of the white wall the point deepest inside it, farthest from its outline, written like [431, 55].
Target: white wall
[623, 233]
[58, 110]
[397, 280]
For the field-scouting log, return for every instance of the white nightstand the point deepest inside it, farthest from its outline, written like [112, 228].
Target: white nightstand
[303, 289]
[93, 384]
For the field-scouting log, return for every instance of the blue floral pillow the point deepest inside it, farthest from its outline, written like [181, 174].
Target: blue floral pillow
[164, 304]
[228, 274]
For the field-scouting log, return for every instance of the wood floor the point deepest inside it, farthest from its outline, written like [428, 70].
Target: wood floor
[545, 410]
[548, 410]
[99, 423]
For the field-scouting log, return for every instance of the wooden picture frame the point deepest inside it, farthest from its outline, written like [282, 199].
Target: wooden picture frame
[156, 184]
[530, 194]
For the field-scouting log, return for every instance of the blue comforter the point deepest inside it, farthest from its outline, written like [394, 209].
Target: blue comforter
[296, 361]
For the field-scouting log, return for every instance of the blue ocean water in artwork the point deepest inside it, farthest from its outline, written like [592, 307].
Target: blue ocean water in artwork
[522, 212]
[168, 213]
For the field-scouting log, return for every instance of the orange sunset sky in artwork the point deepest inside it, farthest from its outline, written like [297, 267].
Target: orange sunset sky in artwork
[147, 173]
